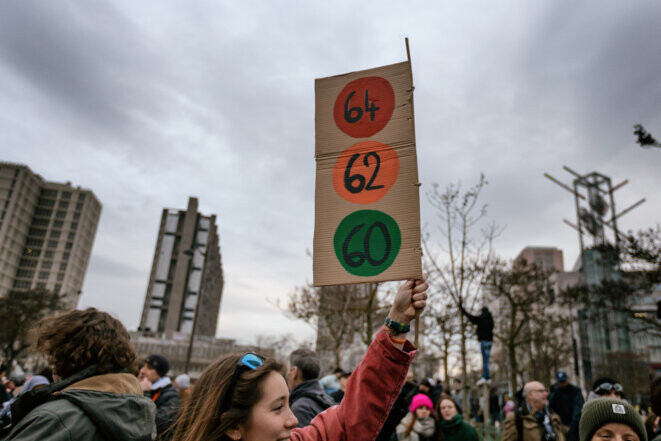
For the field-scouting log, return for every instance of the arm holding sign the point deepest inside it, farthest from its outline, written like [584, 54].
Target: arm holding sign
[376, 382]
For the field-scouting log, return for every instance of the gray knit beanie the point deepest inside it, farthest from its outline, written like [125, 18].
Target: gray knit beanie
[602, 411]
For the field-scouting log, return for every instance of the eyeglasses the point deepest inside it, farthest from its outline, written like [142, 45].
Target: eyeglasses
[607, 387]
[249, 360]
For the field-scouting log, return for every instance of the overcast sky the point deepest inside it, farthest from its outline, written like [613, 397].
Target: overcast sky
[149, 102]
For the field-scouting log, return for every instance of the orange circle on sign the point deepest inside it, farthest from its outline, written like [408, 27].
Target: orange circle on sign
[364, 172]
[364, 106]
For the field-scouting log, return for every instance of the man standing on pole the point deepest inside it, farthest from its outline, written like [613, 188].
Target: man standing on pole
[484, 323]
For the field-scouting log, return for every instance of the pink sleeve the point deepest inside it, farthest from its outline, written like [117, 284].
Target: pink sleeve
[370, 393]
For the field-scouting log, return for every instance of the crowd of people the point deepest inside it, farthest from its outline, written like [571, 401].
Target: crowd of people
[96, 389]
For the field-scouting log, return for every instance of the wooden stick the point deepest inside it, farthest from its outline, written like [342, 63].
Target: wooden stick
[408, 57]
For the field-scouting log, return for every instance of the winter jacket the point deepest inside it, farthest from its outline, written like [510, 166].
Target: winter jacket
[307, 400]
[567, 402]
[423, 429]
[532, 430]
[398, 411]
[168, 403]
[96, 408]
[484, 323]
[370, 393]
[456, 429]
[572, 433]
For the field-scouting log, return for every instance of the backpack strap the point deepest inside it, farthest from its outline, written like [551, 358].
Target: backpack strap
[518, 421]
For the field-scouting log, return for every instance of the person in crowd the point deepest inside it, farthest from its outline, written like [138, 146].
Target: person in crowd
[655, 402]
[418, 424]
[94, 396]
[566, 399]
[35, 382]
[451, 426]
[533, 421]
[508, 404]
[603, 387]
[245, 397]
[610, 419]
[484, 323]
[399, 409]
[182, 384]
[339, 394]
[331, 382]
[159, 389]
[652, 426]
[308, 398]
[494, 407]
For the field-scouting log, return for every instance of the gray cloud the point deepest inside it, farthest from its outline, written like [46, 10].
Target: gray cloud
[148, 103]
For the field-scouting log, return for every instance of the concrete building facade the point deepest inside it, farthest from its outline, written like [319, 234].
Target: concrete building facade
[186, 268]
[47, 230]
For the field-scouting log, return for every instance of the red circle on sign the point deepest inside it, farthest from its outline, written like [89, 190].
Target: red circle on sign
[364, 106]
[365, 172]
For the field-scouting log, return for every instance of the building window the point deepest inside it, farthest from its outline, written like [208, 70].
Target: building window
[63, 204]
[63, 266]
[55, 234]
[58, 287]
[49, 254]
[79, 206]
[41, 285]
[46, 203]
[43, 275]
[58, 224]
[76, 216]
[74, 225]
[52, 244]
[37, 232]
[34, 243]
[66, 195]
[61, 214]
[49, 193]
[60, 277]
[42, 212]
[47, 264]
[25, 274]
[72, 235]
[20, 284]
[69, 245]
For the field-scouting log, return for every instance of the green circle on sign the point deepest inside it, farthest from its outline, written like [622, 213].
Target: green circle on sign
[367, 242]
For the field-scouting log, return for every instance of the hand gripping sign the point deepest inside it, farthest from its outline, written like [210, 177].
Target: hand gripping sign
[367, 216]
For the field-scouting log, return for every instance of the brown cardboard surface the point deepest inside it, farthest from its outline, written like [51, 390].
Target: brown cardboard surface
[401, 202]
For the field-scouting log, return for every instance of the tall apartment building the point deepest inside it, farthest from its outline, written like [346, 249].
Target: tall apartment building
[46, 233]
[186, 268]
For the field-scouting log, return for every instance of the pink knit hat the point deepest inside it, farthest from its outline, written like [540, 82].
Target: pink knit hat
[421, 400]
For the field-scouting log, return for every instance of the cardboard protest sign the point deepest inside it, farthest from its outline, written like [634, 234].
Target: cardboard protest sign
[367, 215]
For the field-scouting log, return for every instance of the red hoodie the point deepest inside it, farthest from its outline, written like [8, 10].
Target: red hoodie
[370, 393]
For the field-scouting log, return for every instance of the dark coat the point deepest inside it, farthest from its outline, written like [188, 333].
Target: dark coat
[567, 402]
[484, 323]
[168, 403]
[307, 400]
[97, 408]
[457, 430]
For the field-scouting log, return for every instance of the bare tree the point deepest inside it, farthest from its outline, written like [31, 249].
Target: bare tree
[330, 308]
[522, 291]
[458, 270]
[644, 138]
[19, 313]
[440, 335]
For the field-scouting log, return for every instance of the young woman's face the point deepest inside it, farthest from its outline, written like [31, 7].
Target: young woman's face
[615, 432]
[448, 410]
[422, 412]
[271, 418]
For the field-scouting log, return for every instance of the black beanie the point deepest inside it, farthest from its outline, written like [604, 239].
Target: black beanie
[159, 363]
[601, 411]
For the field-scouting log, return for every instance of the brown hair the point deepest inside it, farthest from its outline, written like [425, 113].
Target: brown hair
[200, 417]
[439, 419]
[78, 339]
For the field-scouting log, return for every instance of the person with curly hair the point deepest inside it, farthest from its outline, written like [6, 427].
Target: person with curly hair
[96, 395]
